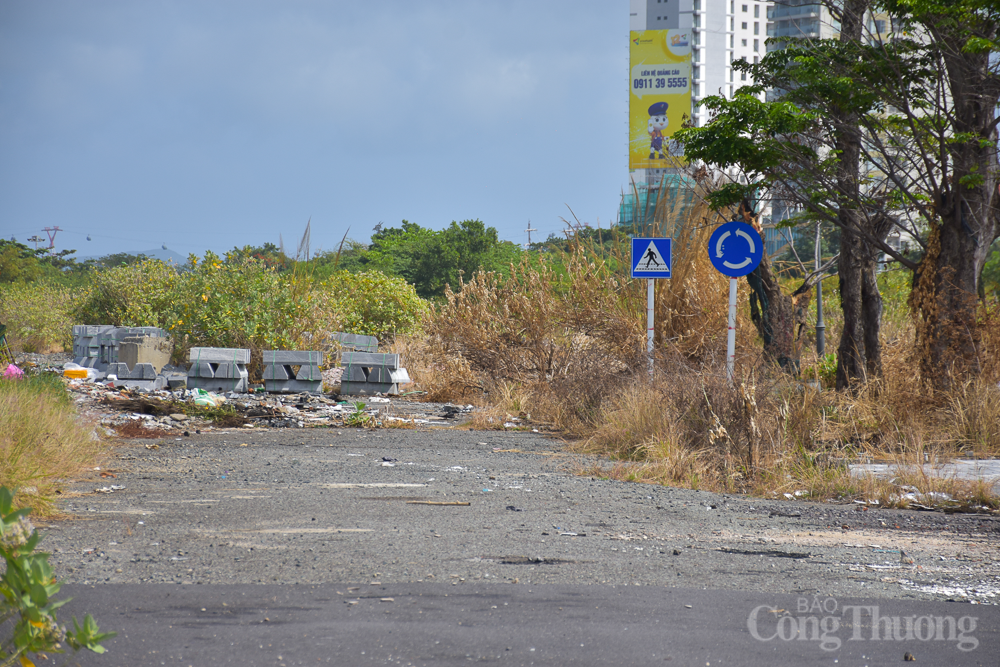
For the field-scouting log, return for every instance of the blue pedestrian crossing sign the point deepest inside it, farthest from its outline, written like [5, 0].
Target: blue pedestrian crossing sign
[650, 258]
[735, 249]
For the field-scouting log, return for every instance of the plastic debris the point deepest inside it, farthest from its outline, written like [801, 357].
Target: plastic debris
[12, 372]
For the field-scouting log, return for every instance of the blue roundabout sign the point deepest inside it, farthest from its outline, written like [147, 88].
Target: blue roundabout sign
[735, 249]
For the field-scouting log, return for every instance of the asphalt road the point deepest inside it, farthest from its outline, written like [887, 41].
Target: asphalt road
[490, 544]
[438, 624]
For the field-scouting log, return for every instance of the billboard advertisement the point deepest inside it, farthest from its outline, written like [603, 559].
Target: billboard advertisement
[660, 97]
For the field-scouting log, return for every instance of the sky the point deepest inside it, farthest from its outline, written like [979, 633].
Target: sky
[213, 124]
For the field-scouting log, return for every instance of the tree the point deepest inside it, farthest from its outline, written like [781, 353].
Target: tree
[432, 259]
[875, 133]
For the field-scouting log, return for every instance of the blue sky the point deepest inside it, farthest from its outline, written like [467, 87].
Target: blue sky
[211, 124]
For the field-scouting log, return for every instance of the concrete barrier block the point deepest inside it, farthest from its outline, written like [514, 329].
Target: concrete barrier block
[229, 371]
[380, 374]
[309, 373]
[157, 383]
[277, 372]
[367, 388]
[202, 370]
[218, 355]
[219, 385]
[369, 359]
[354, 374]
[293, 386]
[293, 357]
[120, 371]
[400, 376]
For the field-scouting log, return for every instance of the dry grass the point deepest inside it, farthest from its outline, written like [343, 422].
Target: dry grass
[560, 346]
[42, 440]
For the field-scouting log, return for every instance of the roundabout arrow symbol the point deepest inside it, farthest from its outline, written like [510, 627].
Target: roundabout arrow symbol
[729, 265]
[753, 248]
[718, 245]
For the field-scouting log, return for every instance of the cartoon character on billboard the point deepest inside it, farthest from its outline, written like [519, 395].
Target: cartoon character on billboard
[657, 123]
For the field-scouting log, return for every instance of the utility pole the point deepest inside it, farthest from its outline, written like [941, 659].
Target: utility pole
[529, 230]
[820, 327]
[51, 231]
[36, 239]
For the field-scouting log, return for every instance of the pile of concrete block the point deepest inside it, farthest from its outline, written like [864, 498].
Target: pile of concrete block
[97, 345]
[371, 373]
[281, 376]
[219, 369]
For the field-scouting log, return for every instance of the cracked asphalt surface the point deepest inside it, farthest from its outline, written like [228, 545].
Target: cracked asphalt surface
[454, 510]
[305, 506]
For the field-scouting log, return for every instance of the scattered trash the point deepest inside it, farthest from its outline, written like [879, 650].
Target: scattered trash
[109, 489]
[514, 509]
[12, 372]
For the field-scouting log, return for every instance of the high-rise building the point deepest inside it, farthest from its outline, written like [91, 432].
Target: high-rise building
[722, 31]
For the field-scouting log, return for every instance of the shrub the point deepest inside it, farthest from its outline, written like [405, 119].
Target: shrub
[26, 594]
[39, 315]
[232, 302]
[373, 303]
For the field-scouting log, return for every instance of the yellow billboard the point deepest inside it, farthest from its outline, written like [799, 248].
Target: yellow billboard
[660, 98]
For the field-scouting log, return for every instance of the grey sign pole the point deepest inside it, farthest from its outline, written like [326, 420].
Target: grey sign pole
[820, 327]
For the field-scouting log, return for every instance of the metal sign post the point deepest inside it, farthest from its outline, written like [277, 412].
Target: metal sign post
[735, 249]
[650, 259]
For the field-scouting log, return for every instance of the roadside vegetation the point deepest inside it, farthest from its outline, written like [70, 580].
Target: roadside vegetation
[43, 442]
[896, 180]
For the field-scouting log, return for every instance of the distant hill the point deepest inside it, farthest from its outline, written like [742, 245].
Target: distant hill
[168, 256]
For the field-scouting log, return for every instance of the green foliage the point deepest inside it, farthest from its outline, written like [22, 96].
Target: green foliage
[373, 303]
[432, 259]
[232, 302]
[39, 315]
[28, 588]
[18, 262]
[359, 417]
[134, 295]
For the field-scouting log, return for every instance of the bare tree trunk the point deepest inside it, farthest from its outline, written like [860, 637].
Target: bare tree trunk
[858, 354]
[772, 312]
[851, 352]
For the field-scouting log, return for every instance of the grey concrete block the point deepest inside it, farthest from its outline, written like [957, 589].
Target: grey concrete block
[202, 370]
[357, 342]
[218, 355]
[228, 370]
[368, 388]
[120, 371]
[380, 374]
[293, 386]
[400, 376]
[369, 359]
[309, 373]
[137, 372]
[158, 382]
[354, 374]
[295, 357]
[277, 372]
[217, 385]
